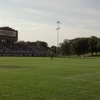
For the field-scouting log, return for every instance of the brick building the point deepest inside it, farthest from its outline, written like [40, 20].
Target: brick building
[8, 35]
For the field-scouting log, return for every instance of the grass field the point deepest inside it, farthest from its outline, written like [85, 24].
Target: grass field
[34, 78]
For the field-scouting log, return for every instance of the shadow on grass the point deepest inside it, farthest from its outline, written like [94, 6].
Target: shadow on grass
[15, 67]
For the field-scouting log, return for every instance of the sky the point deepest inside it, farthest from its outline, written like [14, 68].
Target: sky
[37, 19]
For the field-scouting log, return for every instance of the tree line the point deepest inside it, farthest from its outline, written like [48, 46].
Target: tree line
[77, 46]
[37, 43]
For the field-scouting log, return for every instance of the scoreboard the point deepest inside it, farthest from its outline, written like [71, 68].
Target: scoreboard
[8, 34]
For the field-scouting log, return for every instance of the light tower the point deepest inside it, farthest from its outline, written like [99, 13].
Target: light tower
[58, 22]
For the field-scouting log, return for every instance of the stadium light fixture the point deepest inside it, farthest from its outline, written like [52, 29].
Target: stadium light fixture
[58, 22]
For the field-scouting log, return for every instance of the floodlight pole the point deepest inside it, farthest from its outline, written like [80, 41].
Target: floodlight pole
[58, 22]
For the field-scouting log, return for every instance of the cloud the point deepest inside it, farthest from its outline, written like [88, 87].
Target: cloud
[36, 19]
[0, 23]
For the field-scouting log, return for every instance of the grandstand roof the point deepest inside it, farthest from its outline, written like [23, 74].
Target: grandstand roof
[7, 28]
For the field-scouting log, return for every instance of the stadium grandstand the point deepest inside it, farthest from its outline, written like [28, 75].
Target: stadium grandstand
[10, 47]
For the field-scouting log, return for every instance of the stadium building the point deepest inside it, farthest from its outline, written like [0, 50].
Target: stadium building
[10, 47]
[8, 35]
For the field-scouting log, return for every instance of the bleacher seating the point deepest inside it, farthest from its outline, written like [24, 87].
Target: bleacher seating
[19, 49]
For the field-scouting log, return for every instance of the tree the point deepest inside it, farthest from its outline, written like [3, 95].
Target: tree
[21, 42]
[93, 44]
[98, 45]
[53, 49]
[79, 46]
[42, 43]
[65, 47]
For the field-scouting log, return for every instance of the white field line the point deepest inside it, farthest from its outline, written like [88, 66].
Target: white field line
[76, 77]
[83, 75]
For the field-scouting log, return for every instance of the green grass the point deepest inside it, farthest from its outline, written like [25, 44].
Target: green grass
[33, 78]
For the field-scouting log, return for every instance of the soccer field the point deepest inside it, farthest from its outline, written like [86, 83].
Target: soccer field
[38, 78]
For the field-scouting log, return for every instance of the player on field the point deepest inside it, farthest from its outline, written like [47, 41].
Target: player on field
[51, 55]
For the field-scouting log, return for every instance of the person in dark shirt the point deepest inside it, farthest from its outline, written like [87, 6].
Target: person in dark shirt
[51, 55]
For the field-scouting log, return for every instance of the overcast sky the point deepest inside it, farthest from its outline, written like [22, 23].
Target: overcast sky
[37, 19]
